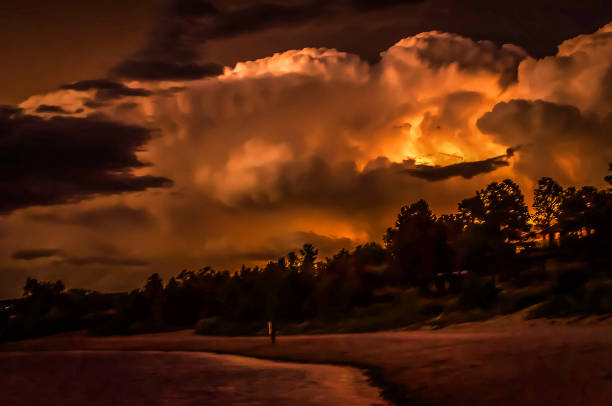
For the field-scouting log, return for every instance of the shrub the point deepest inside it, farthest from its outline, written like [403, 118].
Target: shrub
[448, 318]
[431, 309]
[533, 276]
[478, 292]
[206, 325]
[556, 306]
[594, 297]
[570, 281]
[598, 297]
[514, 300]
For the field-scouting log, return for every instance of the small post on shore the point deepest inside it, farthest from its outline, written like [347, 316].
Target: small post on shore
[271, 332]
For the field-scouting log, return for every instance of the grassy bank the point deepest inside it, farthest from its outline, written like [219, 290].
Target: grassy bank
[563, 293]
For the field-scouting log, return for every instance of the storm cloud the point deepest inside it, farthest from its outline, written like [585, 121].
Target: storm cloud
[106, 217]
[66, 159]
[108, 261]
[192, 37]
[29, 255]
[466, 170]
[164, 70]
[106, 90]
[560, 138]
[46, 108]
[306, 145]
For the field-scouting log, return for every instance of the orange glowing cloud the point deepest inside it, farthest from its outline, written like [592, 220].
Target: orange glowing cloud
[317, 144]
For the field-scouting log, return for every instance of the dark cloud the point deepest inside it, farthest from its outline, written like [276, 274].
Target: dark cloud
[443, 50]
[127, 106]
[105, 95]
[315, 182]
[466, 170]
[107, 89]
[47, 218]
[171, 91]
[28, 255]
[527, 121]
[46, 108]
[165, 70]
[364, 27]
[186, 25]
[107, 261]
[92, 104]
[8, 111]
[537, 26]
[94, 84]
[192, 8]
[116, 216]
[197, 21]
[66, 259]
[378, 4]
[262, 15]
[560, 141]
[67, 159]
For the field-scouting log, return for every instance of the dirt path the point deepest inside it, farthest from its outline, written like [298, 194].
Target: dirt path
[497, 363]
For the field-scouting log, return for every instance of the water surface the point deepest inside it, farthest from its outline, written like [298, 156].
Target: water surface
[174, 378]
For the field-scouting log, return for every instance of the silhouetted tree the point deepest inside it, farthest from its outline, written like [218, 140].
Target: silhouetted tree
[501, 207]
[154, 285]
[418, 245]
[35, 288]
[309, 257]
[293, 261]
[578, 206]
[472, 210]
[548, 199]
[495, 219]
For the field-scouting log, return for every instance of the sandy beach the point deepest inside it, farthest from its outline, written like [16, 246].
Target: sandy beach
[501, 362]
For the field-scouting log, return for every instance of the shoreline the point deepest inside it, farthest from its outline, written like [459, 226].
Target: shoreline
[498, 362]
[390, 392]
[186, 375]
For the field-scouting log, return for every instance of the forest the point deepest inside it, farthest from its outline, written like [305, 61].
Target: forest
[493, 256]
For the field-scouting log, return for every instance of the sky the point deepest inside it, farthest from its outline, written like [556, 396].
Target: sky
[154, 136]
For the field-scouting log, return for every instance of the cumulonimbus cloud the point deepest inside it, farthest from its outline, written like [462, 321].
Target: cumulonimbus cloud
[562, 140]
[318, 143]
[240, 135]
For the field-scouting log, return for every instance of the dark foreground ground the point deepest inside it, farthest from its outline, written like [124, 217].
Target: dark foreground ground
[501, 362]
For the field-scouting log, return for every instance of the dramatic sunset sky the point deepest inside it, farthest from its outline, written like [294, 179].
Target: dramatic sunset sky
[150, 136]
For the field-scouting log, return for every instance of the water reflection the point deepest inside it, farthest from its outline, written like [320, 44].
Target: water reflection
[177, 378]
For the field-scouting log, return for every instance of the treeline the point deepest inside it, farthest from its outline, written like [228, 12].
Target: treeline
[491, 239]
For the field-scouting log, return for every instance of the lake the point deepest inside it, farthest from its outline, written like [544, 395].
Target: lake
[174, 378]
